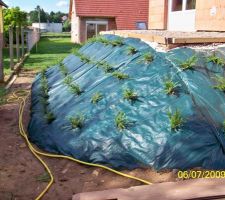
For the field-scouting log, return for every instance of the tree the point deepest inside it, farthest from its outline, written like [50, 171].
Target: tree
[67, 26]
[34, 15]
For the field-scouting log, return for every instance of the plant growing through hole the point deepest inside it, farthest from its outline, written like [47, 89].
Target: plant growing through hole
[77, 122]
[98, 39]
[96, 98]
[63, 69]
[120, 75]
[189, 63]
[220, 83]
[176, 120]
[216, 60]
[148, 57]
[68, 80]
[121, 121]
[117, 42]
[74, 88]
[105, 66]
[50, 117]
[130, 95]
[170, 86]
[131, 50]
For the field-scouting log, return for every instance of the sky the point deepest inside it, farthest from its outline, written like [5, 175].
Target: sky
[47, 5]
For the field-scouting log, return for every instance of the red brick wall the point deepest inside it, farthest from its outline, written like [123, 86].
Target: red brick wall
[126, 12]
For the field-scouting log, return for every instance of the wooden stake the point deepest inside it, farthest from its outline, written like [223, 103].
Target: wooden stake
[11, 53]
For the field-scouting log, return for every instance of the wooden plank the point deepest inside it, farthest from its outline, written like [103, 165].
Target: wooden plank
[189, 189]
[197, 40]
[11, 47]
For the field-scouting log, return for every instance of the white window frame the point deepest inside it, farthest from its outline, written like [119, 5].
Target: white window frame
[184, 7]
[97, 22]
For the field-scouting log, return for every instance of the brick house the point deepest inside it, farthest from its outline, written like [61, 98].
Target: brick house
[89, 17]
[187, 15]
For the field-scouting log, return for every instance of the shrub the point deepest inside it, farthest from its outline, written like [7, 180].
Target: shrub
[170, 86]
[77, 122]
[176, 120]
[96, 98]
[189, 63]
[216, 60]
[50, 117]
[131, 50]
[130, 95]
[220, 83]
[120, 75]
[121, 121]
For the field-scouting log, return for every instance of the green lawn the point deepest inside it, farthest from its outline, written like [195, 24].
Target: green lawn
[51, 50]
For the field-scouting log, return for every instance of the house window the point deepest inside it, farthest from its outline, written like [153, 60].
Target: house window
[93, 28]
[177, 5]
[141, 26]
[190, 5]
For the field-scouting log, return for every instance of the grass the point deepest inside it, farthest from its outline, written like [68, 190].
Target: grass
[189, 64]
[220, 83]
[51, 50]
[96, 98]
[121, 121]
[131, 50]
[2, 95]
[176, 120]
[120, 75]
[216, 60]
[130, 95]
[170, 87]
[77, 122]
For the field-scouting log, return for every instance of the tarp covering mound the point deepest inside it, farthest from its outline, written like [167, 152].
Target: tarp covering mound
[120, 103]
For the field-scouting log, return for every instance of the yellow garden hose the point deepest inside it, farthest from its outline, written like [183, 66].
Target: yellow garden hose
[21, 96]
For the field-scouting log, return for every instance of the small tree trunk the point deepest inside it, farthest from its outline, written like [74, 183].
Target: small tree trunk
[11, 47]
[18, 43]
[1, 59]
[22, 40]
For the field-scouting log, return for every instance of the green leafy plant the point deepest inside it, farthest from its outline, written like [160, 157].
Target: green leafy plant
[131, 50]
[121, 121]
[44, 87]
[170, 86]
[77, 122]
[148, 57]
[189, 63]
[120, 75]
[85, 59]
[176, 120]
[216, 60]
[63, 69]
[220, 83]
[130, 95]
[117, 42]
[105, 66]
[68, 80]
[98, 39]
[74, 88]
[96, 98]
[50, 117]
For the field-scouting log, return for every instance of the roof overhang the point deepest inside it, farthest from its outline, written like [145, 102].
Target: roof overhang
[3, 4]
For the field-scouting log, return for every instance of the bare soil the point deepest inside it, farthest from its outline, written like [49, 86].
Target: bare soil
[19, 170]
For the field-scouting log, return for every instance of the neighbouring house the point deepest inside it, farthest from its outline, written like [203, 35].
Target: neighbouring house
[49, 27]
[187, 15]
[89, 17]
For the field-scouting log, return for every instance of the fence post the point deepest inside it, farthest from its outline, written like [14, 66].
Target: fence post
[11, 53]
[18, 43]
[1, 58]
[22, 40]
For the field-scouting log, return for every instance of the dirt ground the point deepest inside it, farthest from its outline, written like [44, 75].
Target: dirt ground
[20, 171]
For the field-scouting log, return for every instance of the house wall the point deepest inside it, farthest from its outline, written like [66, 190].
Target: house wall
[75, 25]
[126, 12]
[111, 25]
[210, 15]
[158, 10]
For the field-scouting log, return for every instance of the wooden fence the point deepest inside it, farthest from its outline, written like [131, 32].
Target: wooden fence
[25, 40]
